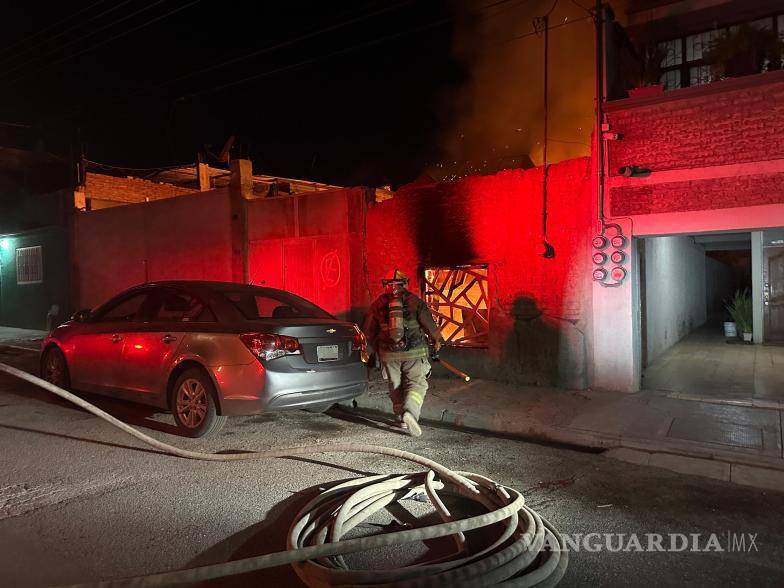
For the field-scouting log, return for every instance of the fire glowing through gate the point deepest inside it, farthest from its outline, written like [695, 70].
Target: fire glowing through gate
[458, 299]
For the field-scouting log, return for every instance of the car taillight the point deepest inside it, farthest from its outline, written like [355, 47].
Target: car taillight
[269, 346]
[359, 343]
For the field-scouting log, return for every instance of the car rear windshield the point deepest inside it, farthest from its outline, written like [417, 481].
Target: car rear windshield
[273, 304]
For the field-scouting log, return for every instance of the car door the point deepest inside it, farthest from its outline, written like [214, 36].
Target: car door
[95, 353]
[150, 350]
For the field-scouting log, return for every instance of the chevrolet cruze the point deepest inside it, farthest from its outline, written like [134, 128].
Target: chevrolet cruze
[209, 350]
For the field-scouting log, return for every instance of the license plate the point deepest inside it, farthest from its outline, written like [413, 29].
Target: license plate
[327, 353]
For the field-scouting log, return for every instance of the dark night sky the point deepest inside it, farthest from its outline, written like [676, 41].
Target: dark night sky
[370, 116]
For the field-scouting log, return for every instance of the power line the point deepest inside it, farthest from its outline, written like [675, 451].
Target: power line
[50, 27]
[138, 169]
[339, 52]
[269, 48]
[58, 35]
[110, 39]
[549, 28]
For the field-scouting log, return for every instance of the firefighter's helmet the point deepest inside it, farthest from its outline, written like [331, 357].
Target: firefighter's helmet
[397, 278]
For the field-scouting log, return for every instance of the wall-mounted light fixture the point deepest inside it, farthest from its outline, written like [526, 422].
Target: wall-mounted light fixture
[546, 250]
[5, 244]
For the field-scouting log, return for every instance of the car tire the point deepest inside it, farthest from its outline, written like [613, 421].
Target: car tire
[54, 368]
[320, 408]
[194, 406]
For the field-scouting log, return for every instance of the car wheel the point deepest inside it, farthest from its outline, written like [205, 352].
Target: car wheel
[193, 404]
[54, 368]
[320, 408]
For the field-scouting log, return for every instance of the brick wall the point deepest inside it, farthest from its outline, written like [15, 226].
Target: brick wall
[698, 195]
[695, 127]
[539, 307]
[738, 121]
[129, 190]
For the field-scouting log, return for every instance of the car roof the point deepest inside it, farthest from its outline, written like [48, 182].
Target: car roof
[206, 285]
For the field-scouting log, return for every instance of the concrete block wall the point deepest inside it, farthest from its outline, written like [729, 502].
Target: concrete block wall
[179, 238]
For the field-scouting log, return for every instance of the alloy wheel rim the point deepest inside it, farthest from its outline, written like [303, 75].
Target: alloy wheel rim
[191, 403]
[54, 369]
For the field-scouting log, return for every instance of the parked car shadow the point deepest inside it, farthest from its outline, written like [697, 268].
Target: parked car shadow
[129, 412]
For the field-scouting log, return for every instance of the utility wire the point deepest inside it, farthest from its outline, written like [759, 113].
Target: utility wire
[48, 40]
[115, 37]
[549, 28]
[49, 28]
[344, 51]
[289, 42]
[138, 169]
[267, 49]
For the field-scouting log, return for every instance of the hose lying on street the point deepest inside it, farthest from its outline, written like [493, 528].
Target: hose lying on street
[519, 548]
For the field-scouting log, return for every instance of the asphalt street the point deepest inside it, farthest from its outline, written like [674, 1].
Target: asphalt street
[80, 501]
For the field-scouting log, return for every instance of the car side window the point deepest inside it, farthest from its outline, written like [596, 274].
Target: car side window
[125, 310]
[177, 306]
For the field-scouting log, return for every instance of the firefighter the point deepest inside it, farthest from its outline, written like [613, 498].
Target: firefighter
[398, 327]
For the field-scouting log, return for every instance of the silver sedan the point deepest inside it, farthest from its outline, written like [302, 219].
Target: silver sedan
[209, 350]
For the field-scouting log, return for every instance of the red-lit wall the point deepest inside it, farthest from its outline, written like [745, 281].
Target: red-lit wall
[176, 238]
[539, 307]
[308, 245]
[709, 147]
[334, 247]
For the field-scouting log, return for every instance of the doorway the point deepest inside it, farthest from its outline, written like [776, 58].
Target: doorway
[773, 285]
[686, 282]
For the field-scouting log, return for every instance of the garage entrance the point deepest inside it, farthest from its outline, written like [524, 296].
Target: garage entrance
[686, 282]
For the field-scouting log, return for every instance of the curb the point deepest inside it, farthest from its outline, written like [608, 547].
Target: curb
[683, 457]
[736, 473]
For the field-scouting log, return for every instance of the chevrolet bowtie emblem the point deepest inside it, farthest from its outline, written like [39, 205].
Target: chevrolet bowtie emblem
[330, 331]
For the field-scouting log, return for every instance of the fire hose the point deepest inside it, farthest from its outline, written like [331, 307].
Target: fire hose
[525, 550]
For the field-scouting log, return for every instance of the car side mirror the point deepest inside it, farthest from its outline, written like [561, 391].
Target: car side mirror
[81, 316]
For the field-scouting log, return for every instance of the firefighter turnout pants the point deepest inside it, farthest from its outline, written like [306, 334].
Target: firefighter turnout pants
[407, 379]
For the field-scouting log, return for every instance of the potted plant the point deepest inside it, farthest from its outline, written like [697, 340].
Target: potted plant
[744, 51]
[644, 73]
[740, 310]
[730, 328]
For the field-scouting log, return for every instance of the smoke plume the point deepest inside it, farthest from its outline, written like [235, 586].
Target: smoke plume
[498, 112]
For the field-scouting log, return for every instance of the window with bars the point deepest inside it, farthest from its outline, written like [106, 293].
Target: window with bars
[684, 62]
[459, 301]
[29, 265]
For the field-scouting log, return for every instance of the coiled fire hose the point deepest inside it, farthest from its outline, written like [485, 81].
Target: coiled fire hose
[524, 549]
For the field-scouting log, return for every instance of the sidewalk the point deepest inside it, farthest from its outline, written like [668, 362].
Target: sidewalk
[738, 444]
[27, 338]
